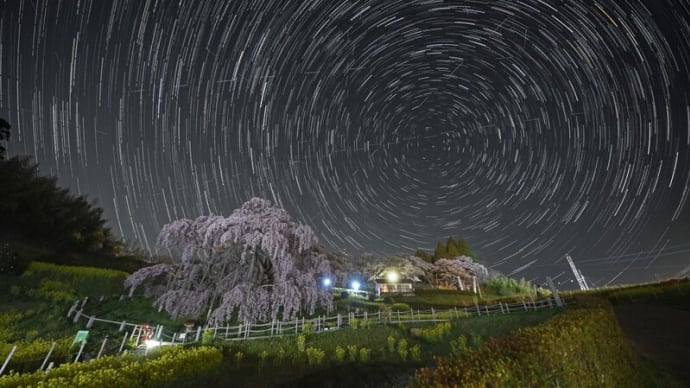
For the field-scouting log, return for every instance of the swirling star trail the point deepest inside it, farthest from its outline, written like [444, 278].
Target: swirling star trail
[530, 128]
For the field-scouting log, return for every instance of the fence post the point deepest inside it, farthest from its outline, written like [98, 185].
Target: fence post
[77, 316]
[81, 349]
[215, 331]
[507, 308]
[433, 314]
[487, 310]
[122, 326]
[100, 351]
[72, 309]
[198, 334]
[89, 323]
[7, 360]
[398, 316]
[86, 298]
[456, 312]
[339, 320]
[45, 361]
[122, 345]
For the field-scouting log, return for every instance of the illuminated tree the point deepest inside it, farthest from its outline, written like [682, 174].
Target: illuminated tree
[256, 263]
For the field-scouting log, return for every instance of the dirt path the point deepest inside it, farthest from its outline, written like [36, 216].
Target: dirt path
[660, 333]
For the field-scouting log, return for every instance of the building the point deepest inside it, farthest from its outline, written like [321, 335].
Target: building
[385, 287]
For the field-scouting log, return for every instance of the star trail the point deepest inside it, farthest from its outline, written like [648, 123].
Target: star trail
[529, 128]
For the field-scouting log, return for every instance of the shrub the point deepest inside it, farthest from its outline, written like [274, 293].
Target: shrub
[402, 349]
[459, 346]
[301, 343]
[400, 307]
[239, 356]
[364, 355]
[506, 286]
[30, 354]
[391, 344]
[354, 323]
[308, 327]
[436, 333]
[315, 356]
[173, 366]
[339, 354]
[207, 337]
[352, 352]
[583, 347]
[415, 353]
[344, 294]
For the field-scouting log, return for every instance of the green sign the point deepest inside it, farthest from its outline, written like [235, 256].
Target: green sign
[81, 337]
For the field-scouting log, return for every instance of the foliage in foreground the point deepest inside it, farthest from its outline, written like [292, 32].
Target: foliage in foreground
[174, 366]
[583, 347]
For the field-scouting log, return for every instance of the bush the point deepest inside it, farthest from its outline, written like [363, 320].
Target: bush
[506, 286]
[315, 356]
[400, 307]
[583, 347]
[352, 352]
[437, 333]
[344, 295]
[301, 343]
[339, 354]
[30, 354]
[364, 355]
[402, 349]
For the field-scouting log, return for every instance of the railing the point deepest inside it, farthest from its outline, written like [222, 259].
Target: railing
[247, 331]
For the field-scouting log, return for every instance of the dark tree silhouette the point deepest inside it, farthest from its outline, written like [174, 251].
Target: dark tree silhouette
[4, 136]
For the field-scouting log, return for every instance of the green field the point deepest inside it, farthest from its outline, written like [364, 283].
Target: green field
[33, 310]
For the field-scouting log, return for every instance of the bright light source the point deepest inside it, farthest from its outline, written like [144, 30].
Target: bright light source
[150, 344]
[355, 285]
[326, 282]
[392, 276]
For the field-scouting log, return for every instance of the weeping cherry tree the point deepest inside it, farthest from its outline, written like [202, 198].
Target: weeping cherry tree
[255, 265]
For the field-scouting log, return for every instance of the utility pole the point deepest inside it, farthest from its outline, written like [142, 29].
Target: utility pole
[578, 275]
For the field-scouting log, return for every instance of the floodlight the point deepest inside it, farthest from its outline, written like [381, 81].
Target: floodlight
[326, 282]
[392, 276]
[355, 285]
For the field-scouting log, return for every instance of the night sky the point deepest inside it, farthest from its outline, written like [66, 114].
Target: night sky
[530, 128]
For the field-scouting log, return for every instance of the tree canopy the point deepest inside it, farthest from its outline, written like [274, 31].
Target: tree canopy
[34, 208]
[256, 263]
